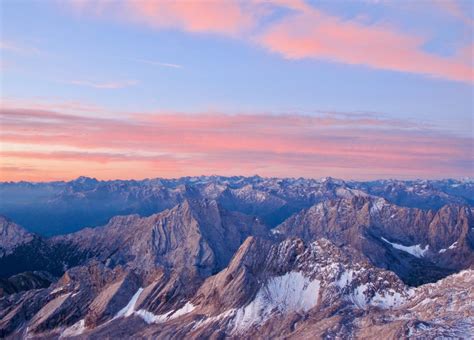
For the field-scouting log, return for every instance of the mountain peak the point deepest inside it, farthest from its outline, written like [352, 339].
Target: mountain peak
[85, 180]
[194, 257]
[12, 236]
[332, 180]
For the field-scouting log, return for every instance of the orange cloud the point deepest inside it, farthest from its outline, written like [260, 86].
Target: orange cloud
[176, 144]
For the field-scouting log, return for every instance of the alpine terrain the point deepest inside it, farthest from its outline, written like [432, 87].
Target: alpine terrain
[237, 257]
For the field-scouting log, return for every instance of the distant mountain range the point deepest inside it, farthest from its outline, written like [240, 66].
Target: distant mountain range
[237, 257]
[54, 208]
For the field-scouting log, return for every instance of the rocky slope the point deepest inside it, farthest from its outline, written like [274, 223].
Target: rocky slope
[62, 207]
[419, 245]
[196, 232]
[343, 263]
[12, 236]
[288, 289]
[421, 194]
[25, 281]
[21, 251]
[177, 249]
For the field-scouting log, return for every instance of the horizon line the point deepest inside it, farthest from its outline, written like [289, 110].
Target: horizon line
[376, 179]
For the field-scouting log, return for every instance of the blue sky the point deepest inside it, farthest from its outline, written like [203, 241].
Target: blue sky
[55, 52]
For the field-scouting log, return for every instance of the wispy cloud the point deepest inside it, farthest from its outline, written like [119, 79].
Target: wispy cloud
[303, 32]
[311, 33]
[221, 17]
[173, 144]
[19, 48]
[158, 63]
[104, 85]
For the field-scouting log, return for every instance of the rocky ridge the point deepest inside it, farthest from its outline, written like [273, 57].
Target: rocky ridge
[418, 245]
[342, 263]
[63, 207]
[293, 289]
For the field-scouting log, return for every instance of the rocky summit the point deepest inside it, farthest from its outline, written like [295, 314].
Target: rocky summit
[237, 257]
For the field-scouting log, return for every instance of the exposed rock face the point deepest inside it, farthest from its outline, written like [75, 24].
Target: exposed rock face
[39, 254]
[292, 280]
[86, 291]
[12, 236]
[196, 237]
[25, 281]
[111, 300]
[62, 207]
[421, 193]
[206, 263]
[173, 252]
[189, 242]
[420, 246]
[289, 289]
[17, 309]
[297, 290]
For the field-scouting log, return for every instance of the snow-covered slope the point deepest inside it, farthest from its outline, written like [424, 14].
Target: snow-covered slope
[415, 250]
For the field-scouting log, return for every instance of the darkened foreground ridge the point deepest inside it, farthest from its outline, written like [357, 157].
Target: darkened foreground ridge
[239, 257]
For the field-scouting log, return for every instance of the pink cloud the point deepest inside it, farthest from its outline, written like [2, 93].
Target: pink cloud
[305, 32]
[172, 144]
[221, 16]
[313, 34]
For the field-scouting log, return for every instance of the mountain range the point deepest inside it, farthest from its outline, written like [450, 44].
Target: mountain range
[237, 257]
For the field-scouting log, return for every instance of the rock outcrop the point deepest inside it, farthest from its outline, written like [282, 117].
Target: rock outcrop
[420, 246]
[12, 236]
[244, 257]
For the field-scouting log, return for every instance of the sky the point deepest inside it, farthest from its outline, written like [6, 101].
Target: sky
[288, 88]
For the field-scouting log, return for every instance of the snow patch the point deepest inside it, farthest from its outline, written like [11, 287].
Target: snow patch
[358, 296]
[77, 329]
[415, 250]
[229, 313]
[129, 309]
[452, 246]
[56, 290]
[291, 292]
[187, 308]
[387, 300]
[377, 206]
[345, 278]
[149, 317]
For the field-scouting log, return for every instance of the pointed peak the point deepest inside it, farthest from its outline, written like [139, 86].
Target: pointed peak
[85, 180]
[332, 180]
